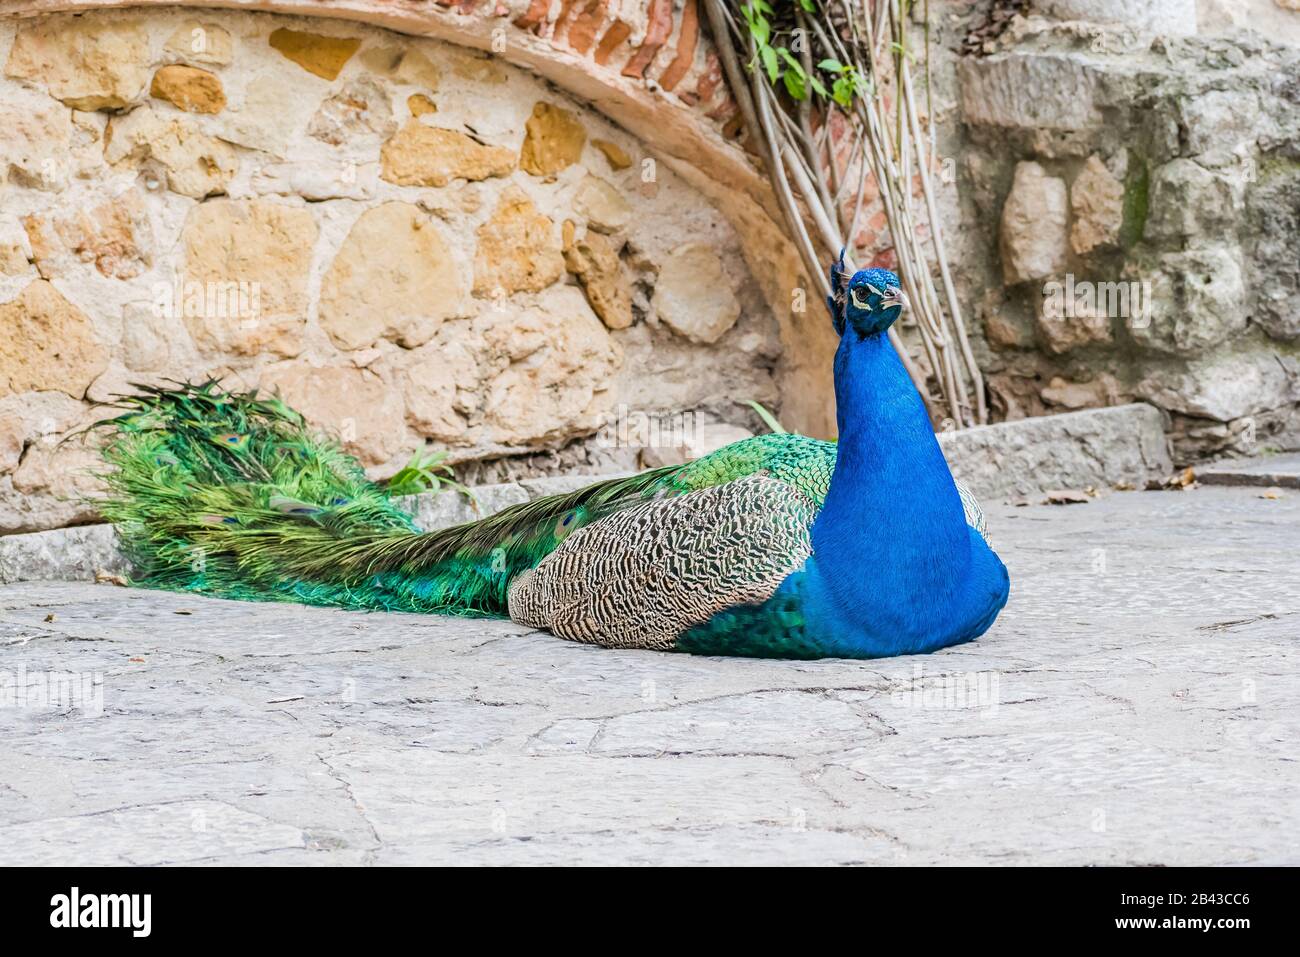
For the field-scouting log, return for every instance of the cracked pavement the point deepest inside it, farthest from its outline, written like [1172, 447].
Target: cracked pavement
[1136, 703]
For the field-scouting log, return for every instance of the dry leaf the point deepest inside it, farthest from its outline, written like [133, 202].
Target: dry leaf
[108, 578]
[49, 617]
[1179, 480]
[1065, 496]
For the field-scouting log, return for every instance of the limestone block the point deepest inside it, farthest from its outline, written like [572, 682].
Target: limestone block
[322, 55]
[90, 63]
[115, 235]
[363, 410]
[1097, 203]
[188, 88]
[252, 257]
[556, 364]
[48, 344]
[594, 259]
[201, 43]
[1033, 231]
[601, 204]
[553, 140]
[193, 163]
[420, 155]
[518, 249]
[402, 295]
[693, 296]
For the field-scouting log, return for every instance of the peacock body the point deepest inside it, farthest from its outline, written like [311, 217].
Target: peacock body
[779, 545]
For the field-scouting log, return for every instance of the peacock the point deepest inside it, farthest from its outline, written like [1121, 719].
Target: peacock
[778, 545]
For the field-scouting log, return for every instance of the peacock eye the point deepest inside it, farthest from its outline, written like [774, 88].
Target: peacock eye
[858, 300]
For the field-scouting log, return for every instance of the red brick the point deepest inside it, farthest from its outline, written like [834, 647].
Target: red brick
[886, 258]
[536, 14]
[686, 40]
[711, 78]
[658, 30]
[618, 32]
[582, 32]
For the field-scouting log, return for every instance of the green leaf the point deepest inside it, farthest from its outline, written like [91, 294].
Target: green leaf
[808, 5]
[768, 418]
[407, 482]
[759, 27]
[418, 475]
[769, 62]
[789, 58]
[817, 86]
[794, 84]
[831, 65]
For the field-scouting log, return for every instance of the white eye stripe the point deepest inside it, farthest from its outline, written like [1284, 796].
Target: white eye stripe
[858, 300]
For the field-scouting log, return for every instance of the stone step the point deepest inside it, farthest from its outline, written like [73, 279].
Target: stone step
[1102, 448]
[1266, 471]
[1097, 447]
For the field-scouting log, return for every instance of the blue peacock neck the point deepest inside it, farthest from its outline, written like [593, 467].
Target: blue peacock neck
[890, 544]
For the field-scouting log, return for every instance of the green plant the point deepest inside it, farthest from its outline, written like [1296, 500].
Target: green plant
[781, 65]
[763, 413]
[426, 472]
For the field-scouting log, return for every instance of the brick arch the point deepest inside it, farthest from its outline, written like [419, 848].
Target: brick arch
[655, 78]
[645, 66]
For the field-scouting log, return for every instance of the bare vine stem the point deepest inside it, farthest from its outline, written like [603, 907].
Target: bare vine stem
[819, 153]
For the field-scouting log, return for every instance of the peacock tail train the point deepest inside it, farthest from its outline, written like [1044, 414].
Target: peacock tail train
[232, 495]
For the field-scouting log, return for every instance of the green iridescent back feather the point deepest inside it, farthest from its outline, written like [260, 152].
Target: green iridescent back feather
[232, 495]
[775, 628]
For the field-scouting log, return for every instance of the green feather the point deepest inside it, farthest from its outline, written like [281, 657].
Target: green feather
[232, 440]
[293, 506]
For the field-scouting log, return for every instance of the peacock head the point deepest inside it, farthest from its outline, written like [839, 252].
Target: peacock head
[869, 301]
[875, 300]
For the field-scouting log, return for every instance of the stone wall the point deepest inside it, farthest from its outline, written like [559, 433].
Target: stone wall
[496, 228]
[1131, 215]
[413, 242]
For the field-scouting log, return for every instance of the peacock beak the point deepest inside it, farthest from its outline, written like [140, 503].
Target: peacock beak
[895, 297]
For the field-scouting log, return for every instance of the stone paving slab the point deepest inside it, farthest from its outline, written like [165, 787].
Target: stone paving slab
[1137, 703]
[1269, 471]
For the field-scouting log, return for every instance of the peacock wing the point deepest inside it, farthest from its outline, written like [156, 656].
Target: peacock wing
[640, 577]
[970, 507]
